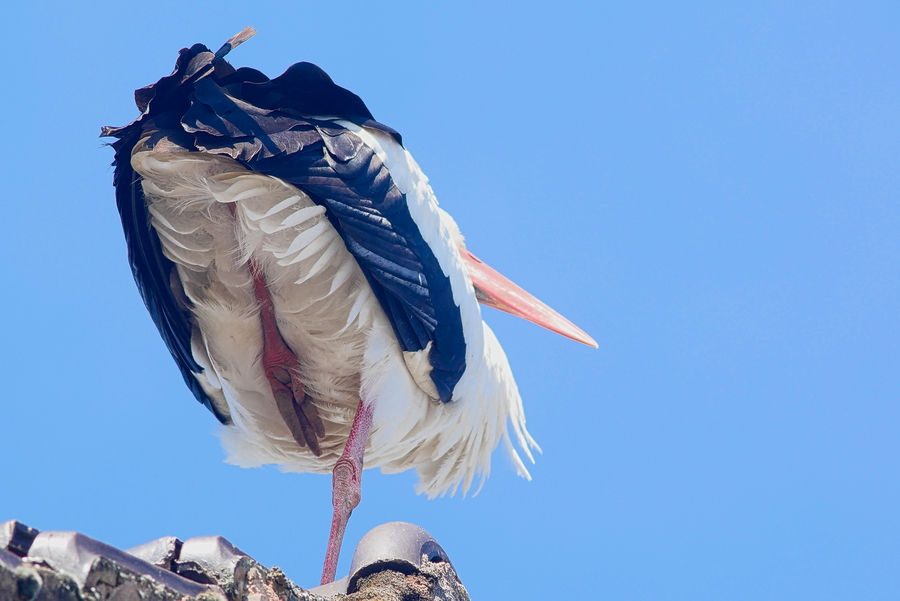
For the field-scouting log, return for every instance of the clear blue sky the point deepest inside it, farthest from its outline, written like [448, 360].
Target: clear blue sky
[711, 191]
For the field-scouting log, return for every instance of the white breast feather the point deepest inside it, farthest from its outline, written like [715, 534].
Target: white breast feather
[328, 315]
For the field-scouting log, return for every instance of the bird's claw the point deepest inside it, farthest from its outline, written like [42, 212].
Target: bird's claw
[282, 370]
[295, 406]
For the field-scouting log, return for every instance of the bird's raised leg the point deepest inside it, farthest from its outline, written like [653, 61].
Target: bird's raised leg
[283, 372]
[346, 481]
[282, 368]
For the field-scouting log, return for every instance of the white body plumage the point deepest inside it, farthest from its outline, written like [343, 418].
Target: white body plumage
[329, 316]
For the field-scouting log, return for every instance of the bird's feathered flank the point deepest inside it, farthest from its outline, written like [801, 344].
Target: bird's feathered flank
[364, 271]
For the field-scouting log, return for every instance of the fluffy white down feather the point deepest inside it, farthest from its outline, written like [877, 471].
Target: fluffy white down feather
[328, 315]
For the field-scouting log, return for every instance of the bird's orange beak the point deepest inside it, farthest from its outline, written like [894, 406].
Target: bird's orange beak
[494, 290]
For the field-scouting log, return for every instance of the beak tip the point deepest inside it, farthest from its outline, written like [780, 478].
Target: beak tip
[495, 290]
[584, 339]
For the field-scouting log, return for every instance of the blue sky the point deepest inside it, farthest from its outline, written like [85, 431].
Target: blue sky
[709, 189]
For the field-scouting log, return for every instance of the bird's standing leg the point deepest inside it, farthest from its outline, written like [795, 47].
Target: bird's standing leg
[346, 481]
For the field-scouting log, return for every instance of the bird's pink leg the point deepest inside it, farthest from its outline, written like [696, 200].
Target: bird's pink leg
[282, 370]
[346, 481]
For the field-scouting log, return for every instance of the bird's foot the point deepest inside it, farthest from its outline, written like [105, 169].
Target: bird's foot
[347, 486]
[282, 369]
[296, 408]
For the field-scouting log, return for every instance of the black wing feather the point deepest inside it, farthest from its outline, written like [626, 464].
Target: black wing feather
[276, 127]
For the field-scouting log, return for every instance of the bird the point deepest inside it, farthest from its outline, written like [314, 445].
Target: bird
[313, 294]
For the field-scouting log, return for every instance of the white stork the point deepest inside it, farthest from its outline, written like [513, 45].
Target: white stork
[314, 296]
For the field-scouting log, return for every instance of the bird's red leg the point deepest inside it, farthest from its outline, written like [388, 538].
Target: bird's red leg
[346, 481]
[283, 373]
[282, 369]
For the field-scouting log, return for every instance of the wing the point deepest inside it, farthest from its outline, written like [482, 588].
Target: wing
[286, 128]
[155, 275]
